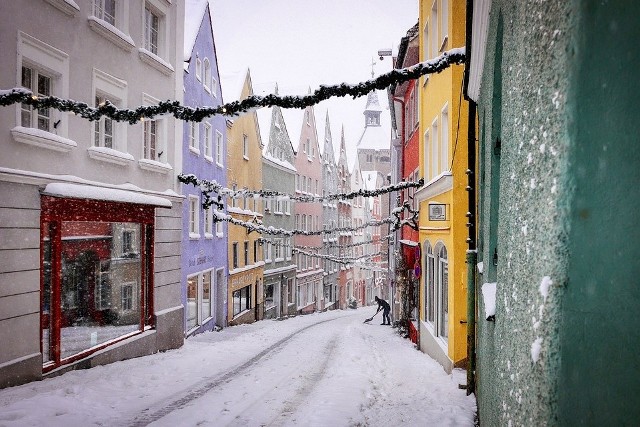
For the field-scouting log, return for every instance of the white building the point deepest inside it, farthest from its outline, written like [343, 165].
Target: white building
[89, 215]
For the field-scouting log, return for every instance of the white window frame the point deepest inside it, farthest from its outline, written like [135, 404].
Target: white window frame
[444, 24]
[208, 140]
[245, 147]
[427, 154]
[214, 86]
[434, 45]
[194, 216]
[203, 314]
[118, 32]
[208, 223]
[219, 149]
[198, 68]
[206, 78]
[267, 251]
[219, 229]
[54, 63]
[435, 161]
[194, 137]
[278, 252]
[444, 138]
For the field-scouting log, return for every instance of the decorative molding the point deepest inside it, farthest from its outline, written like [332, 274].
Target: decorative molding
[68, 7]
[110, 155]
[438, 185]
[111, 33]
[154, 166]
[43, 139]
[155, 61]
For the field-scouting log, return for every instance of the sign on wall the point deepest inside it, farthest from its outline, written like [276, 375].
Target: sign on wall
[437, 212]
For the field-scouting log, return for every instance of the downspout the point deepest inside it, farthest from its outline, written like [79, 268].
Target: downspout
[472, 253]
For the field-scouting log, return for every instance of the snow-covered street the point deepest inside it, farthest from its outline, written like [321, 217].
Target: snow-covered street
[320, 369]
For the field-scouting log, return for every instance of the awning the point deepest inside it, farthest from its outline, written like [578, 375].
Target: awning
[58, 189]
[408, 242]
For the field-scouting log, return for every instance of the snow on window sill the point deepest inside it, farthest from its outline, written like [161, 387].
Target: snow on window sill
[220, 235]
[208, 236]
[43, 139]
[154, 166]
[208, 158]
[68, 7]
[194, 236]
[155, 61]
[245, 157]
[111, 33]
[220, 165]
[194, 150]
[110, 155]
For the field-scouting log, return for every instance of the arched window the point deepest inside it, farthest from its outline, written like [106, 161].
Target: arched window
[429, 284]
[443, 292]
[207, 74]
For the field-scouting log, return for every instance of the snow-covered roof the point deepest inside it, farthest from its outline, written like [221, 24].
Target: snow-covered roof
[59, 189]
[232, 83]
[194, 11]
[279, 162]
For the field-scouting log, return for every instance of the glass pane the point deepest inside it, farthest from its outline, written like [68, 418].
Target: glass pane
[268, 296]
[192, 297]
[46, 295]
[206, 295]
[44, 85]
[101, 276]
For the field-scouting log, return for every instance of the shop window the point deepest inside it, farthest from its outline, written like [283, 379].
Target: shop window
[241, 300]
[268, 296]
[97, 278]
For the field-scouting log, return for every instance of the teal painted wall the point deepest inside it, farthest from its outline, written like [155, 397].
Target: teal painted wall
[564, 348]
[600, 352]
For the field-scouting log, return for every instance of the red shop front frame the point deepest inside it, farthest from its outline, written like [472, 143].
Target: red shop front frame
[54, 212]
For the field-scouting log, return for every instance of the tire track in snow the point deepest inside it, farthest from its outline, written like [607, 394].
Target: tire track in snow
[148, 416]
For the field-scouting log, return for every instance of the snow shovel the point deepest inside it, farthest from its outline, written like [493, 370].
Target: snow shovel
[370, 318]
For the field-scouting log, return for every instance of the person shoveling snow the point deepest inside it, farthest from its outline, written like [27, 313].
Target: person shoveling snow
[386, 308]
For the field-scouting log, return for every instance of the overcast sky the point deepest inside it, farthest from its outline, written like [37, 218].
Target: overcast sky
[305, 43]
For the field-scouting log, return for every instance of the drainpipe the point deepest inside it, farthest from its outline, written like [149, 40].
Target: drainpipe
[472, 253]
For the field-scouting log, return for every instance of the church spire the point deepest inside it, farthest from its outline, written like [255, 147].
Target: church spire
[372, 110]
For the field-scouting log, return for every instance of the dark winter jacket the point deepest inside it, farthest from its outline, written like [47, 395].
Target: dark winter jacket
[382, 304]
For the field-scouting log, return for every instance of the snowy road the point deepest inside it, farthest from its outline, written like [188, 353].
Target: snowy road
[325, 369]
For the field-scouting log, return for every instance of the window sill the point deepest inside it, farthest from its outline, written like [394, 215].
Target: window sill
[444, 44]
[220, 165]
[154, 166]
[155, 61]
[43, 139]
[194, 236]
[206, 88]
[208, 158]
[111, 33]
[68, 7]
[220, 235]
[245, 157]
[110, 155]
[208, 236]
[194, 150]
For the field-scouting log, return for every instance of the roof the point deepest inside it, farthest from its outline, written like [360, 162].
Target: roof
[232, 84]
[194, 11]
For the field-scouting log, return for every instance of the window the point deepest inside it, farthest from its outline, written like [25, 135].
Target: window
[425, 43]
[444, 24]
[256, 243]
[246, 252]
[235, 255]
[198, 68]
[278, 250]
[150, 140]
[194, 217]
[434, 42]
[245, 147]
[369, 158]
[290, 294]
[207, 75]
[194, 142]
[208, 223]
[214, 86]
[219, 149]
[297, 182]
[192, 302]
[126, 297]
[287, 242]
[40, 84]
[268, 296]
[444, 140]
[234, 197]
[205, 301]
[267, 254]
[207, 142]
[151, 30]
[105, 10]
[443, 292]
[429, 278]
[104, 128]
[434, 148]
[241, 300]
[219, 228]
[93, 297]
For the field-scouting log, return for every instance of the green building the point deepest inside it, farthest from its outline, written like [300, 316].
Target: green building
[558, 192]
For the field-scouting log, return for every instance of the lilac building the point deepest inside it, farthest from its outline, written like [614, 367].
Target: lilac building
[204, 242]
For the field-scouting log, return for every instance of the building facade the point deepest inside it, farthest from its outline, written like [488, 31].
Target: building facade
[329, 219]
[204, 153]
[443, 201]
[278, 175]
[244, 172]
[345, 220]
[309, 217]
[90, 215]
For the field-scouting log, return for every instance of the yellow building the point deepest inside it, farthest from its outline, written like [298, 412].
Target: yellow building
[244, 151]
[443, 200]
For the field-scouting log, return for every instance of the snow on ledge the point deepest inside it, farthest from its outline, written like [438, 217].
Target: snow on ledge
[408, 242]
[58, 189]
[489, 297]
[42, 138]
